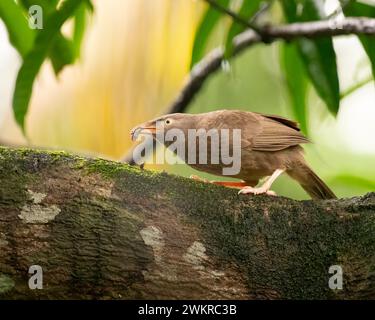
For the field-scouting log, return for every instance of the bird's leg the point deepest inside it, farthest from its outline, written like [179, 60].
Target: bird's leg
[232, 184]
[265, 187]
[197, 178]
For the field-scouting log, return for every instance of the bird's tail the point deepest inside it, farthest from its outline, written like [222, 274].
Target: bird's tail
[311, 183]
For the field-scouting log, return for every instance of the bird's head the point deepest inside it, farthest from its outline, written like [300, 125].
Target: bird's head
[181, 121]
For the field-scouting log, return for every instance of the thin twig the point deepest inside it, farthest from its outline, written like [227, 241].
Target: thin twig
[356, 86]
[233, 15]
[265, 6]
[212, 62]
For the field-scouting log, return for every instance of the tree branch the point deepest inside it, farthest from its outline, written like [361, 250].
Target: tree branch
[105, 230]
[212, 62]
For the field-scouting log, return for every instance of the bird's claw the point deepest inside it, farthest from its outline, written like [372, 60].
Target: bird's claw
[255, 191]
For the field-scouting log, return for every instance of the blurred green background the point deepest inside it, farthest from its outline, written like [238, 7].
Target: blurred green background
[135, 56]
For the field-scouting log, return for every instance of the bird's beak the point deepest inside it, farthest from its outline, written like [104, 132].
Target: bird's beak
[146, 128]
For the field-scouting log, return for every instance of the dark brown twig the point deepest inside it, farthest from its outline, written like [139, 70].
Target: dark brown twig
[233, 15]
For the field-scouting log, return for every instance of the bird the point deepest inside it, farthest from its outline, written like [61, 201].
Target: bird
[270, 146]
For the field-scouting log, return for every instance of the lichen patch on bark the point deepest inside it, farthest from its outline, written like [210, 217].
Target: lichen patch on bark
[153, 237]
[36, 196]
[37, 213]
[196, 255]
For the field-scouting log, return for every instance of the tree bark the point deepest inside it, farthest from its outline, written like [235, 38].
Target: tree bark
[106, 230]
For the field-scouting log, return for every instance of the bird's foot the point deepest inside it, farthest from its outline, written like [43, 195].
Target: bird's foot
[260, 190]
[197, 178]
[232, 184]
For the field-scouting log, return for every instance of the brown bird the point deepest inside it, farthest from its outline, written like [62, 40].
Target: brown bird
[270, 145]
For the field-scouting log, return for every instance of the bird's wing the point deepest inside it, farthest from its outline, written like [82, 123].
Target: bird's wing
[269, 132]
[258, 132]
[276, 133]
[289, 123]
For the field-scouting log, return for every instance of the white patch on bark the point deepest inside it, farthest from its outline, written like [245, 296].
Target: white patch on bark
[196, 255]
[36, 197]
[106, 193]
[37, 213]
[153, 237]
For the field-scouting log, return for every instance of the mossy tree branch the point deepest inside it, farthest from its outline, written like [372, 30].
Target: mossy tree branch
[101, 229]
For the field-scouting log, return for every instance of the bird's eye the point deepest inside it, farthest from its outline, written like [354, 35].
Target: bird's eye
[167, 121]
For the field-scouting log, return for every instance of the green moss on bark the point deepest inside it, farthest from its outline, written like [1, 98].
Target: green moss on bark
[283, 248]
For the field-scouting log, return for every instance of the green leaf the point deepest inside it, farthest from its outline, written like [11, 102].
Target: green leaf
[359, 9]
[79, 27]
[16, 22]
[65, 51]
[34, 59]
[290, 10]
[356, 9]
[295, 76]
[89, 5]
[61, 53]
[247, 10]
[320, 59]
[318, 55]
[210, 18]
[48, 6]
